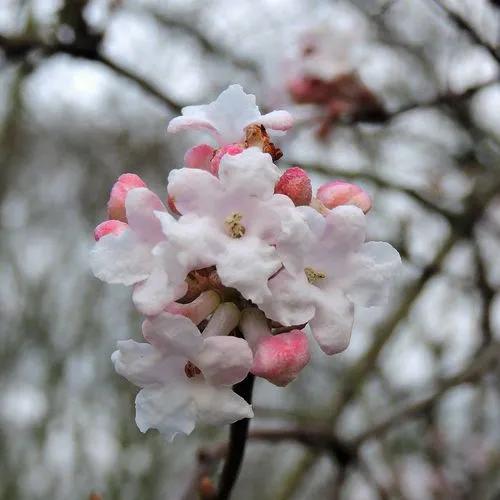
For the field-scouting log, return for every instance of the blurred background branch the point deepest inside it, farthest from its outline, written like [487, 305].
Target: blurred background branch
[405, 104]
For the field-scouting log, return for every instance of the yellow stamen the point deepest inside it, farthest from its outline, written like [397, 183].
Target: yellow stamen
[234, 226]
[314, 276]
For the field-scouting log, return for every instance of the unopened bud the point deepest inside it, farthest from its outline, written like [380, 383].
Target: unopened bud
[295, 184]
[116, 203]
[335, 193]
[279, 358]
[109, 227]
[230, 149]
[199, 157]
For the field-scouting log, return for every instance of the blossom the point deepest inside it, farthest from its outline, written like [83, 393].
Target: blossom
[185, 377]
[244, 246]
[227, 117]
[133, 254]
[238, 219]
[332, 270]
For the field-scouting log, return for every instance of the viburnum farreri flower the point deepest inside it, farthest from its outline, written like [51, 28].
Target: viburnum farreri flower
[234, 276]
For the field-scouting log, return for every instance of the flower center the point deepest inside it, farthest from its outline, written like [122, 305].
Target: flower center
[191, 370]
[314, 276]
[234, 226]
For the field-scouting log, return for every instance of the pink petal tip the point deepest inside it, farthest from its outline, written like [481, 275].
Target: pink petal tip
[116, 203]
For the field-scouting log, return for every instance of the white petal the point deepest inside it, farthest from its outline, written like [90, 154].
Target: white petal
[219, 405]
[276, 120]
[224, 360]
[250, 173]
[246, 265]
[140, 363]
[174, 335]
[314, 220]
[193, 243]
[225, 118]
[332, 322]
[154, 294]
[193, 190]
[230, 113]
[121, 258]
[291, 301]
[295, 239]
[370, 273]
[345, 229]
[169, 408]
[141, 204]
[180, 123]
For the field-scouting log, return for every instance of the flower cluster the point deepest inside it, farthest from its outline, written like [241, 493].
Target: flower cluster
[326, 74]
[230, 270]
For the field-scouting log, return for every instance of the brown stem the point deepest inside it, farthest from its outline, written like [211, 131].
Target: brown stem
[237, 441]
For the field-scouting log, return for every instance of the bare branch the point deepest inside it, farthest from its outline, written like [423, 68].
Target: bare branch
[478, 367]
[21, 47]
[464, 27]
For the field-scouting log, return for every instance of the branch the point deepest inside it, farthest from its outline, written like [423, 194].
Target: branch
[487, 294]
[20, 47]
[464, 27]
[355, 376]
[381, 183]
[237, 442]
[462, 227]
[472, 372]
[206, 43]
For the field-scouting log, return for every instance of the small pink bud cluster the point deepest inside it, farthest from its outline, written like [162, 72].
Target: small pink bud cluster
[295, 184]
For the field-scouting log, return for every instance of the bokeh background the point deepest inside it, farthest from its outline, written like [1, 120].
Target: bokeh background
[412, 409]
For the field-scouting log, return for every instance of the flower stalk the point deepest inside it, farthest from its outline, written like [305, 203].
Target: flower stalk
[238, 436]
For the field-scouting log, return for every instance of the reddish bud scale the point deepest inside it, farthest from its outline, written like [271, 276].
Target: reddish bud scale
[295, 184]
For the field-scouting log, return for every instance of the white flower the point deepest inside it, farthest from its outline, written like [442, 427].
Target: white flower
[226, 117]
[236, 219]
[326, 272]
[185, 377]
[136, 255]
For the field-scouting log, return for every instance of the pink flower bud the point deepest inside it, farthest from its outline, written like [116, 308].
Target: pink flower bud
[199, 157]
[116, 203]
[335, 193]
[295, 184]
[197, 310]
[230, 149]
[279, 358]
[109, 227]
